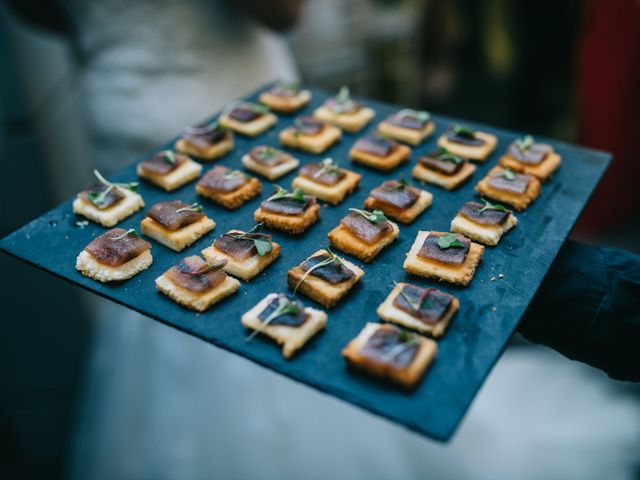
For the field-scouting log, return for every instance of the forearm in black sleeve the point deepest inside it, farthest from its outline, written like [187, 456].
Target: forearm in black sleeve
[588, 309]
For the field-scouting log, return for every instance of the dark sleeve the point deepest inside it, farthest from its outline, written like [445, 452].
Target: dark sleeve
[588, 309]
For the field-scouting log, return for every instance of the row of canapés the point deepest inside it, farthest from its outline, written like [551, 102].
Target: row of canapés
[199, 283]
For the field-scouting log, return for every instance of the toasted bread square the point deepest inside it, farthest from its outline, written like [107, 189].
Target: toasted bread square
[342, 239]
[456, 274]
[176, 240]
[332, 194]
[252, 128]
[292, 338]
[350, 122]
[330, 134]
[542, 171]
[270, 173]
[407, 135]
[235, 199]
[289, 223]
[108, 217]
[403, 216]
[196, 300]
[324, 293]
[486, 234]
[406, 377]
[480, 153]
[388, 312]
[209, 153]
[519, 201]
[247, 269]
[182, 175]
[278, 103]
[448, 182]
[90, 267]
[398, 155]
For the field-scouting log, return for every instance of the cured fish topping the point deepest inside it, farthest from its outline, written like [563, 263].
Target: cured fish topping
[284, 89]
[487, 214]
[116, 247]
[243, 114]
[102, 196]
[509, 181]
[326, 172]
[443, 162]
[223, 180]
[428, 305]
[196, 275]
[162, 163]
[464, 136]
[376, 145]
[526, 150]
[288, 203]
[446, 248]
[205, 135]
[327, 267]
[268, 156]
[369, 227]
[308, 126]
[175, 214]
[241, 245]
[396, 193]
[407, 118]
[343, 103]
[391, 346]
[284, 310]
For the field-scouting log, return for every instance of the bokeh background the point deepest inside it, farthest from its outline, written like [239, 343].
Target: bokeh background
[568, 70]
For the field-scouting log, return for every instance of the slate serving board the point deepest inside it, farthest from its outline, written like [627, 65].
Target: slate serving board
[489, 312]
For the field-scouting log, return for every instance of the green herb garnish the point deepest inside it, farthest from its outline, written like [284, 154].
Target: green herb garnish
[508, 174]
[401, 185]
[407, 341]
[416, 306]
[460, 131]
[327, 166]
[194, 207]
[215, 264]
[168, 156]
[263, 244]
[446, 156]
[449, 240]
[492, 206]
[285, 307]
[375, 216]
[525, 143]
[234, 173]
[422, 116]
[267, 152]
[281, 193]
[82, 223]
[98, 198]
[129, 233]
[332, 257]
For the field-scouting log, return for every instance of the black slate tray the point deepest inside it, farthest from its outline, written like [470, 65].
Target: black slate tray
[489, 313]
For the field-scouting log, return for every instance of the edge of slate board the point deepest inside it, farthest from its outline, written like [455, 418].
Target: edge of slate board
[11, 244]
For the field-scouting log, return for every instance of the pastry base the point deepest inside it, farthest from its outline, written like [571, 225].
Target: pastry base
[280, 104]
[407, 135]
[519, 201]
[479, 153]
[182, 175]
[332, 194]
[235, 199]
[400, 154]
[486, 234]
[403, 216]
[90, 267]
[448, 182]
[270, 173]
[291, 338]
[406, 377]
[247, 269]
[349, 122]
[311, 143]
[195, 300]
[250, 129]
[456, 274]
[289, 223]
[130, 204]
[542, 171]
[212, 152]
[176, 240]
[342, 239]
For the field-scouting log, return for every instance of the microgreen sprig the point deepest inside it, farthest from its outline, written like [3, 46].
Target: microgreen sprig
[525, 143]
[329, 166]
[267, 152]
[420, 115]
[492, 206]
[408, 341]
[281, 193]
[194, 207]
[464, 132]
[129, 233]
[332, 257]
[416, 306]
[215, 264]
[285, 307]
[449, 240]
[446, 156]
[98, 198]
[508, 174]
[375, 216]
[168, 156]
[262, 243]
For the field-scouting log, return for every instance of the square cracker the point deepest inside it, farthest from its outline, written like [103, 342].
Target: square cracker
[289, 137]
[182, 175]
[176, 240]
[211, 152]
[406, 377]
[350, 122]
[289, 223]
[542, 171]
[408, 135]
[108, 217]
[398, 155]
[479, 153]
[342, 239]
[281, 104]
[486, 234]
[291, 338]
[247, 269]
[235, 199]
[317, 289]
[403, 216]
[456, 274]
[90, 267]
[332, 194]
[250, 129]
[195, 300]
[448, 182]
[388, 312]
[519, 201]
[270, 173]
